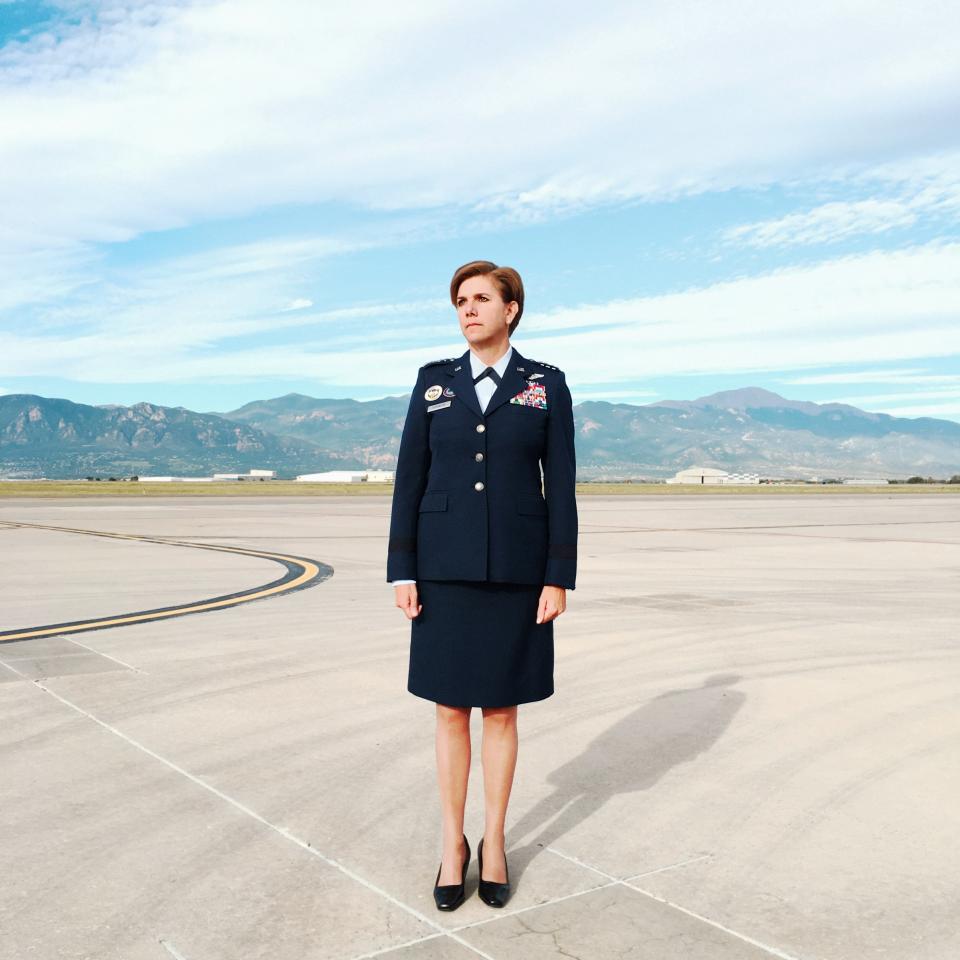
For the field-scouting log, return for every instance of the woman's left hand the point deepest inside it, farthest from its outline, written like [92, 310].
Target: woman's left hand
[553, 601]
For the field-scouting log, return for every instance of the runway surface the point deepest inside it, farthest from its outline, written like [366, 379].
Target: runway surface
[751, 752]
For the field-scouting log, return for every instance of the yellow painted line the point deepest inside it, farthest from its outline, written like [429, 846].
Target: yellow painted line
[310, 571]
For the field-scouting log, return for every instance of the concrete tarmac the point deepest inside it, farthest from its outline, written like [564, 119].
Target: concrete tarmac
[751, 751]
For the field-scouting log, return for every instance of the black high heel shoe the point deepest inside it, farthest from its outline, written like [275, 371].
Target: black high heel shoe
[451, 895]
[489, 891]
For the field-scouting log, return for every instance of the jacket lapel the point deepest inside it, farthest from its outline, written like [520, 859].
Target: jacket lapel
[514, 379]
[463, 386]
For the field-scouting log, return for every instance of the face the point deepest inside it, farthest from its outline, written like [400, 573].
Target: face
[484, 317]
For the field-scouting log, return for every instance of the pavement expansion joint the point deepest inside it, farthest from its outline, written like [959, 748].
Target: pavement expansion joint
[109, 656]
[669, 866]
[611, 882]
[506, 914]
[773, 951]
[52, 656]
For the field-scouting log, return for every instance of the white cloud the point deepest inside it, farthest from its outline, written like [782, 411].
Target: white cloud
[158, 115]
[876, 308]
[830, 222]
[895, 399]
[191, 309]
[889, 375]
[929, 189]
[193, 301]
[864, 295]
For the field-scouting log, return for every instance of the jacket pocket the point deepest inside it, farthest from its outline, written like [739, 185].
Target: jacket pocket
[431, 502]
[531, 503]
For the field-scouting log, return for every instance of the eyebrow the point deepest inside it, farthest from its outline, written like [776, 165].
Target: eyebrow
[482, 293]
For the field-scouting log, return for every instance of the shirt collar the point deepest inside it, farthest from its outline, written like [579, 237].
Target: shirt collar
[477, 366]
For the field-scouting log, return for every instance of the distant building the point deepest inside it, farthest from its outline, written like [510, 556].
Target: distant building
[710, 475]
[334, 476]
[176, 479]
[347, 476]
[251, 475]
[742, 478]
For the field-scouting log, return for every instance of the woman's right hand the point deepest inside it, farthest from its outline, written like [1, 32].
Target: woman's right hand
[406, 599]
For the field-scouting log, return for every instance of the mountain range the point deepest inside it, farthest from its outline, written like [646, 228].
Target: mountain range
[744, 430]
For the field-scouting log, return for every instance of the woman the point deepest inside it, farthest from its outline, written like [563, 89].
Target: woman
[479, 557]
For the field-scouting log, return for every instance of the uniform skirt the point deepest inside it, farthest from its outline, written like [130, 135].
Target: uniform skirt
[478, 644]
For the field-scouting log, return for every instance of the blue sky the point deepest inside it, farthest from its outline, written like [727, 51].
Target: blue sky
[215, 202]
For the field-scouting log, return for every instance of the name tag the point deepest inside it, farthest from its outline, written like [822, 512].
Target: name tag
[439, 406]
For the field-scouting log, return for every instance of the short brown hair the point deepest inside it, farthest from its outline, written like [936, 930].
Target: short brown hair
[506, 280]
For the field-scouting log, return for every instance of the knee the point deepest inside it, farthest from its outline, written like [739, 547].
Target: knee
[499, 717]
[456, 717]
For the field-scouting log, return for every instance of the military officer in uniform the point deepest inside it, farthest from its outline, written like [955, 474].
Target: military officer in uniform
[482, 549]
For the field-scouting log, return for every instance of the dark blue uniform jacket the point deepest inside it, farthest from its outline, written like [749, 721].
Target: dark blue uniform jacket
[468, 503]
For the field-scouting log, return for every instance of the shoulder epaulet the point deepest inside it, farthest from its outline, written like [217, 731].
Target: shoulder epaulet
[549, 366]
[433, 363]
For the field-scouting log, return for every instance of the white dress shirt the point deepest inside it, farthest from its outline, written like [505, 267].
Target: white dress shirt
[485, 389]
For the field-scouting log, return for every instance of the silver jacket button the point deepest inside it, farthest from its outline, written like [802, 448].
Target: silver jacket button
[478, 456]
[478, 485]
[480, 428]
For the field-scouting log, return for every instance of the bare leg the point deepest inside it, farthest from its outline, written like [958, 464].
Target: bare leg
[453, 771]
[499, 756]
